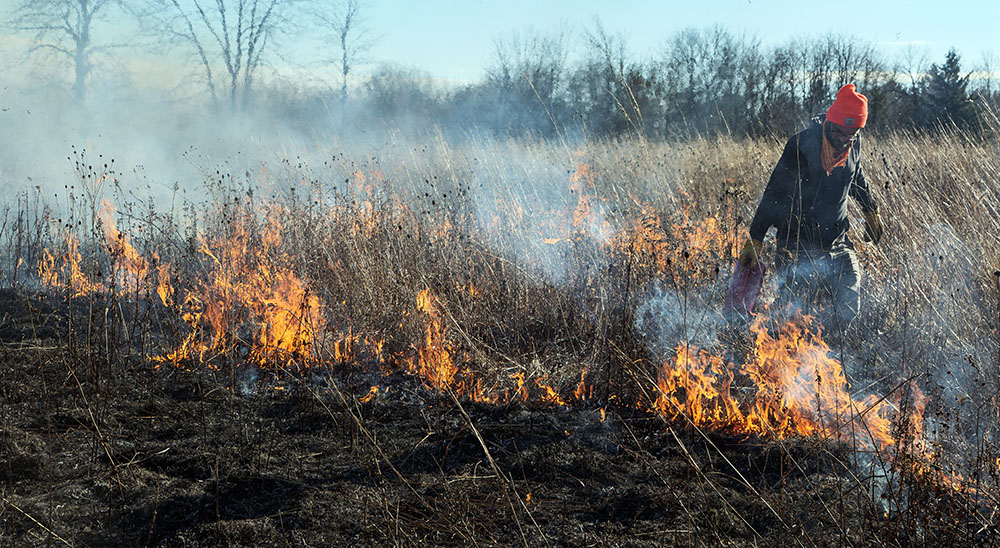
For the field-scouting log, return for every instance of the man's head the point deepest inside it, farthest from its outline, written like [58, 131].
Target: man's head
[846, 116]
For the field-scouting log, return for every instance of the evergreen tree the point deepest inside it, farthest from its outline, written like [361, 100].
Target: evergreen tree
[943, 94]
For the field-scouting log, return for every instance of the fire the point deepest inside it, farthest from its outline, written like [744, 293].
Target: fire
[583, 391]
[66, 273]
[571, 222]
[352, 348]
[434, 362]
[164, 288]
[522, 390]
[372, 392]
[691, 246]
[471, 290]
[796, 389]
[549, 395]
[246, 304]
[696, 385]
[247, 298]
[290, 317]
[131, 267]
[587, 219]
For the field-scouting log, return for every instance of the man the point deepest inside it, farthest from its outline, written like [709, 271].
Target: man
[806, 200]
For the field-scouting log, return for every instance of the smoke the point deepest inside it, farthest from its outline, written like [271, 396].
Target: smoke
[668, 317]
[540, 215]
[149, 140]
[156, 129]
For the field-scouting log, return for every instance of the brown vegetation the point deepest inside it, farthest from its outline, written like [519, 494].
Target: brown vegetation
[460, 344]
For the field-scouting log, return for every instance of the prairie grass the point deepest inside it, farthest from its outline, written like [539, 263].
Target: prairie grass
[525, 246]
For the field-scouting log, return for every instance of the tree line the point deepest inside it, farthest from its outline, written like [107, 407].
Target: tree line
[711, 81]
[701, 81]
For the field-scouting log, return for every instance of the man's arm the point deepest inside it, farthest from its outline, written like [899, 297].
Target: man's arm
[775, 204]
[859, 191]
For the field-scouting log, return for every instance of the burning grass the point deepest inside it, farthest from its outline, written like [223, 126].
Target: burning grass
[523, 274]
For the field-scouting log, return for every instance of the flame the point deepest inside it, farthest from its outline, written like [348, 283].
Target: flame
[67, 275]
[587, 219]
[692, 246]
[290, 316]
[246, 298]
[372, 392]
[164, 287]
[362, 186]
[582, 391]
[797, 389]
[549, 395]
[246, 301]
[352, 348]
[696, 385]
[434, 362]
[471, 290]
[132, 267]
[522, 390]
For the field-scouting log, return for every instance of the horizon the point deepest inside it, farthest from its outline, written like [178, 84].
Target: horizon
[454, 42]
[147, 106]
[966, 26]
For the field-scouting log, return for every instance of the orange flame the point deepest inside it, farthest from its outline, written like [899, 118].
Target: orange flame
[434, 362]
[549, 394]
[582, 391]
[67, 275]
[692, 247]
[245, 289]
[248, 298]
[796, 389]
[132, 267]
[586, 219]
[372, 392]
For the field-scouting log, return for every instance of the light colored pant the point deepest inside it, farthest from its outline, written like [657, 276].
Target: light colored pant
[825, 284]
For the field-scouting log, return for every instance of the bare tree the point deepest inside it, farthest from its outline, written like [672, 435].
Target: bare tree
[233, 34]
[396, 92]
[715, 79]
[527, 74]
[619, 90]
[351, 35]
[914, 64]
[987, 66]
[66, 28]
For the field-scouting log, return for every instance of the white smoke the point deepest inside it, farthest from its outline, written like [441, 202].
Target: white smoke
[668, 317]
[525, 206]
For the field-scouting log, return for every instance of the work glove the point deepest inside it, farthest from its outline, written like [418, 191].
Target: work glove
[873, 226]
[750, 255]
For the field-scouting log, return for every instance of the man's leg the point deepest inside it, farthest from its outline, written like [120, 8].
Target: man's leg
[846, 286]
[788, 300]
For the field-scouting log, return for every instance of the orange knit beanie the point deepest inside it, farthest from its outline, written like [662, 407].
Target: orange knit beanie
[849, 109]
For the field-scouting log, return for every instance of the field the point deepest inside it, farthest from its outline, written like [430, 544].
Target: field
[494, 344]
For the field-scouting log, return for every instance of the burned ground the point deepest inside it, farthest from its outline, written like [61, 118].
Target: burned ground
[494, 344]
[142, 456]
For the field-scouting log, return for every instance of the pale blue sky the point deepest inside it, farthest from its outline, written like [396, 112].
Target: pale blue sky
[454, 39]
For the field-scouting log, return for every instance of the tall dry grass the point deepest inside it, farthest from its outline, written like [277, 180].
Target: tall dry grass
[526, 288]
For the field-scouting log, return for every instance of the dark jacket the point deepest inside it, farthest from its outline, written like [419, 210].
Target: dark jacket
[809, 207]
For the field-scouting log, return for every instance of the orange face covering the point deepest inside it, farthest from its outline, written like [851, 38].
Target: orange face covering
[831, 159]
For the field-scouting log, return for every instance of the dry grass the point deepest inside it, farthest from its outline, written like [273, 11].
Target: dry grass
[555, 299]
